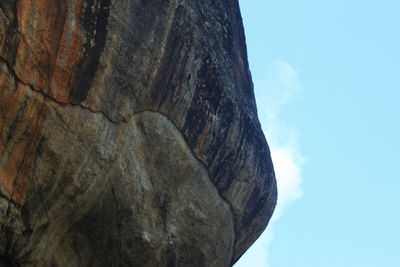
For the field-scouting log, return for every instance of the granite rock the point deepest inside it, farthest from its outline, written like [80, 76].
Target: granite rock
[129, 135]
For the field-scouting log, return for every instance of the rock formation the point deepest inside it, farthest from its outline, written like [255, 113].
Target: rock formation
[129, 134]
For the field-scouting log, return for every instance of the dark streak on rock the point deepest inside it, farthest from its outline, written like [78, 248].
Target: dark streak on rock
[171, 77]
[9, 45]
[95, 22]
[206, 99]
[234, 43]
[39, 148]
[209, 101]
[5, 237]
[18, 118]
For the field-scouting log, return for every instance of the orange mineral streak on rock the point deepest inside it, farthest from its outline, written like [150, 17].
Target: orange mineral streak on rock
[51, 46]
[202, 138]
[69, 55]
[22, 126]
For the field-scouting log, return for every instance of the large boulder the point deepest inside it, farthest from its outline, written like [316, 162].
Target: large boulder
[129, 135]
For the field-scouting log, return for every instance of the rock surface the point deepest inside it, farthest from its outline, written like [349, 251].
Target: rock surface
[129, 135]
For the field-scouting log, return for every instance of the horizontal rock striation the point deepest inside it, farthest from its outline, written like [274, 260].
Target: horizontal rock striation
[129, 135]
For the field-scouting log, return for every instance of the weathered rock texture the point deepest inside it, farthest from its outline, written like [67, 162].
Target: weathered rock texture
[129, 134]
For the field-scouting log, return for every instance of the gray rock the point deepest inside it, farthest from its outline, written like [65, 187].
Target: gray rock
[129, 135]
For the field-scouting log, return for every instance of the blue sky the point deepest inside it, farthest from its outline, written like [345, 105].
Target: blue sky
[327, 82]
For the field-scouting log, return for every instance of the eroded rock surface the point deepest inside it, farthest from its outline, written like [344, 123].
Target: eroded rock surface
[129, 135]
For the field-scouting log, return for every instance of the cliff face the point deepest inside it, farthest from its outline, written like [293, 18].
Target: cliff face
[129, 134]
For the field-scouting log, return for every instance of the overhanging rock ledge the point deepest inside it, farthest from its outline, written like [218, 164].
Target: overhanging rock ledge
[129, 135]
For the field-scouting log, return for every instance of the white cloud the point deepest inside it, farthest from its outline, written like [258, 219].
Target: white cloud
[288, 173]
[278, 88]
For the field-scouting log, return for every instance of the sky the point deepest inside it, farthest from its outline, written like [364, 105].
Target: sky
[327, 83]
